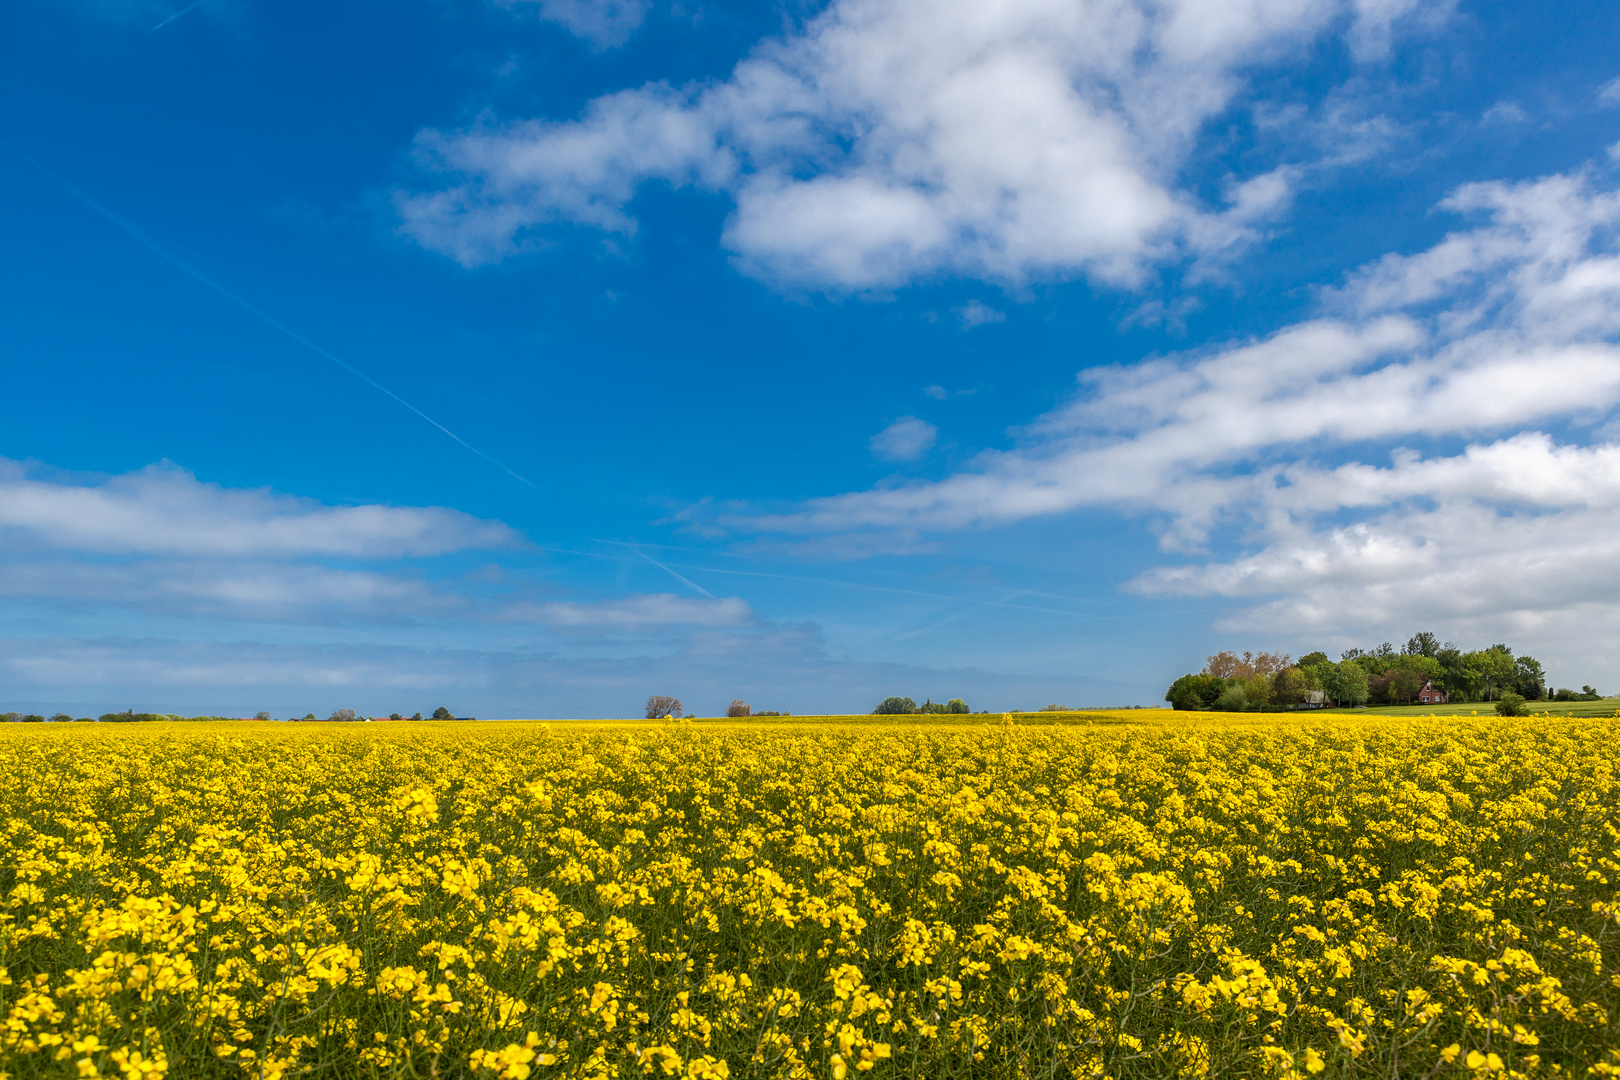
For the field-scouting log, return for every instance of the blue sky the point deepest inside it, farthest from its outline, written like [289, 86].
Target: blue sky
[798, 353]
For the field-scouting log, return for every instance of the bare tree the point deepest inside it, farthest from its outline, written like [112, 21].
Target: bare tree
[739, 708]
[662, 705]
[344, 715]
[1227, 665]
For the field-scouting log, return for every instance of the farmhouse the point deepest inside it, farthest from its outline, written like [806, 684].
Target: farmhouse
[1429, 695]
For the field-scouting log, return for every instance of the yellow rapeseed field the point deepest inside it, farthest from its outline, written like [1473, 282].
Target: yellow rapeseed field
[1123, 896]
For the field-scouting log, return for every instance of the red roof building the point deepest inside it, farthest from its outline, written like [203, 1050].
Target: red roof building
[1429, 695]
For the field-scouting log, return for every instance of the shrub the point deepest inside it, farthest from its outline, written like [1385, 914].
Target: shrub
[895, 706]
[61, 718]
[739, 707]
[1055, 707]
[1510, 704]
[1232, 699]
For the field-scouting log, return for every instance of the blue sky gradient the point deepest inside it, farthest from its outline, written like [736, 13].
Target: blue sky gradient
[844, 350]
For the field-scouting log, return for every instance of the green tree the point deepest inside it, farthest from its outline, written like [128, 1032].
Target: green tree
[1499, 669]
[1311, 659]
[1195, 692]
[895, 706]
[1352, 686]
[1450, 659]
[957, 705]
[1232, 699]
[442, 713]
[1529, 680]
[1423, 643]
[1402, 684]
[1510, 704]
[1289, 686]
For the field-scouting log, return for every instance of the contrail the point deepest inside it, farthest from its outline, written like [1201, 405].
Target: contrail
[175, 260]
[684, 580]
[176, 15]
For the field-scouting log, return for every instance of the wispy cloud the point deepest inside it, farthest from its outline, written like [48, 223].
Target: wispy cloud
[772, 666]
[165, 510]
[604, 23]
[162, 542]
[978, 313]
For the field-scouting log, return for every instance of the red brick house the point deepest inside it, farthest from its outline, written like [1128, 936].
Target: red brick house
[1429, 695]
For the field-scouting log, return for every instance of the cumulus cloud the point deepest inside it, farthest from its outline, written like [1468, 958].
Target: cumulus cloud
[888, 140]
[166, 510]
[907, 439]
[1495, 338]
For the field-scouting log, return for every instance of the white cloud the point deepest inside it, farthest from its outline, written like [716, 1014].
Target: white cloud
[977, 313]
[633, 613]
[298, 592]
[1495, 336]
[160, 542]
[906, 439]
[227, 589]
[895, 139]
[1609, 92]
[166, 510]
[1505, 112]
[604, 23]
[936, 392]
[1373, 29]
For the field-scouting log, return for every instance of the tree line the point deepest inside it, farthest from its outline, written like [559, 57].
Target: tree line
[130, 716]
[1381, 676]
[902, 706]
